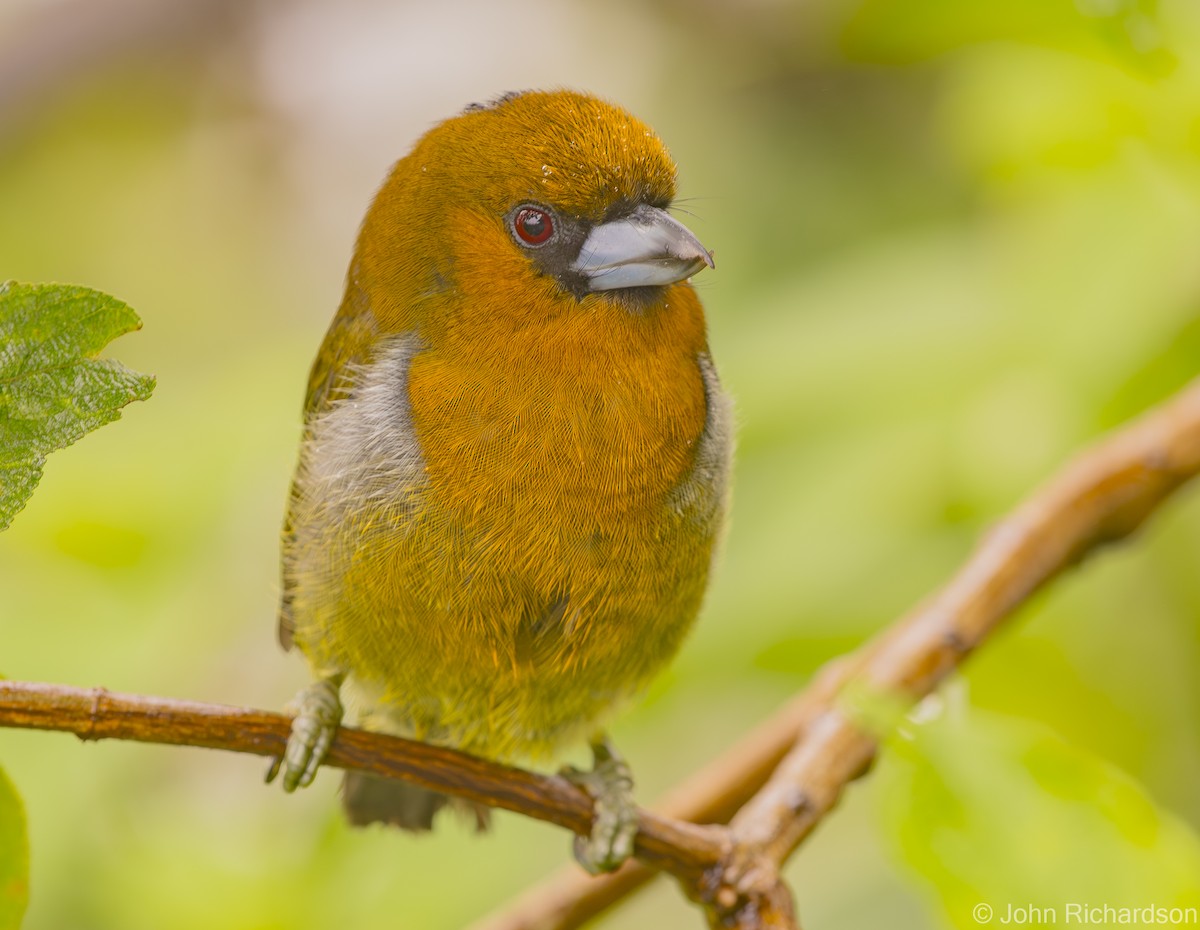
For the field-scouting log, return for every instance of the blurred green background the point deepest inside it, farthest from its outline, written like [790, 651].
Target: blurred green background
[956, 240]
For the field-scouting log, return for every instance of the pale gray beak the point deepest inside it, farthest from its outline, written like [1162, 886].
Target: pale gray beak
[647, 247]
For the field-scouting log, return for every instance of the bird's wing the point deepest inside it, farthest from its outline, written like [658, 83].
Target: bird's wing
[346, 348]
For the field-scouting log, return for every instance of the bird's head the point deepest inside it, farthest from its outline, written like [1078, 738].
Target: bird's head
[533, 203]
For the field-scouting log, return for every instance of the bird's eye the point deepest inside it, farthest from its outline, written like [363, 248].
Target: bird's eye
[533, 226]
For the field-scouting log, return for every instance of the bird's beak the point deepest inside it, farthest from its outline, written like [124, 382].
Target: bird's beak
[646, 247]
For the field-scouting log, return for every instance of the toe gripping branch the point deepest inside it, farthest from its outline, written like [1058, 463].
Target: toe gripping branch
[614, 815]
[736, 883]
[318, 715]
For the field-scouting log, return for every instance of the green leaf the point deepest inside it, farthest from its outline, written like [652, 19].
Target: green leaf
[53, 389]
[14, 856]
[998, 814]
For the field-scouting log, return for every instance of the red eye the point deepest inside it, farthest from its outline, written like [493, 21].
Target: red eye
[533, 226]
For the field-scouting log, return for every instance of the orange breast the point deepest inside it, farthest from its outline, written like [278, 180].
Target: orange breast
[548, 436]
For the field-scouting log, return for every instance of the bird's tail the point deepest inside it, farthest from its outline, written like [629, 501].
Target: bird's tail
[368, 799]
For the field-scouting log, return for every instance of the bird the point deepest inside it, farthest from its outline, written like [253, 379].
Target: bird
[515, 463]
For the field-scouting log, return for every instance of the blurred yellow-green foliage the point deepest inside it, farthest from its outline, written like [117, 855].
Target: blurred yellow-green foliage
[956, 240]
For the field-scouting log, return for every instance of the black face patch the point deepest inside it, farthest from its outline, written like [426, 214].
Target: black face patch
[555, 257]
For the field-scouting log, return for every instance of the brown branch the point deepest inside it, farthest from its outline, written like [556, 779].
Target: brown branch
[1102, 496]
[681, 848]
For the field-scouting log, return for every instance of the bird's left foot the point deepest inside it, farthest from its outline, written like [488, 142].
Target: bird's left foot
[318, 715]
[614, 815]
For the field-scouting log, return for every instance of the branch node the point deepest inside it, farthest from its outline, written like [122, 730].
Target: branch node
[97, 695]
[955, 643]
[797, 801]
[745, 892]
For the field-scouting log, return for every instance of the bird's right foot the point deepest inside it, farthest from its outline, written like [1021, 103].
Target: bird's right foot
[614, 815]
[318, 714]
